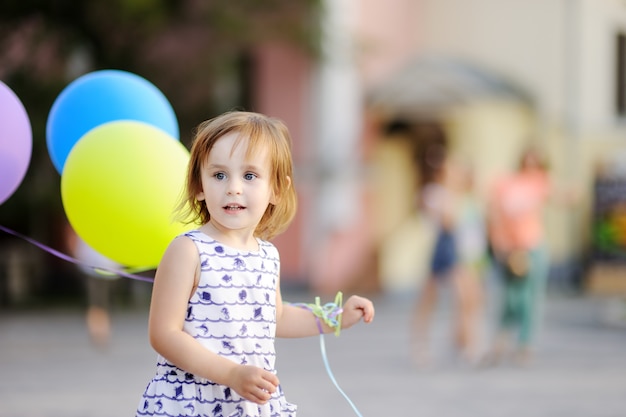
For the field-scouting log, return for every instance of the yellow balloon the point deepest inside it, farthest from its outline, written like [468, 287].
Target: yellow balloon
[119, 187]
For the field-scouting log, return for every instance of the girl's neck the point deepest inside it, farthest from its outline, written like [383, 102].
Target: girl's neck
[237, 239]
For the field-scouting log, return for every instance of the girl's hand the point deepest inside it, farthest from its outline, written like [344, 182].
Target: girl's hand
[252, 383]
[356, 308]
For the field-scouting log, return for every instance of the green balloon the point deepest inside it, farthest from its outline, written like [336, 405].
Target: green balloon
[119, 187]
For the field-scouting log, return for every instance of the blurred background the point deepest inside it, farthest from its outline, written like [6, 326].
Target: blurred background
[366, 88]
[370, 91]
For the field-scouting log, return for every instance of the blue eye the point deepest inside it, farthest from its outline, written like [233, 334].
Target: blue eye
[219, 176]
[249, 176]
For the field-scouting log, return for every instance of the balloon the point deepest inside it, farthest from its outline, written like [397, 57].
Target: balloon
[119, 187]
[16, 142]
[100, 97]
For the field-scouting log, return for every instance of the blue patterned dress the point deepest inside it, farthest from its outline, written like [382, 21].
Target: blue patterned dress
[232, 313]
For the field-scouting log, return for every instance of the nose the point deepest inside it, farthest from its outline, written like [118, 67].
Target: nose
[234, 187]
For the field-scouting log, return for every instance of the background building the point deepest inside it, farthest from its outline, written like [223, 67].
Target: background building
[492, 76]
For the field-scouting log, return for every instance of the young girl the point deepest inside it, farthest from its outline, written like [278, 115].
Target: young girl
[216, 303]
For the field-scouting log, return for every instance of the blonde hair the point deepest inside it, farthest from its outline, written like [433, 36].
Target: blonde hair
[260, 131]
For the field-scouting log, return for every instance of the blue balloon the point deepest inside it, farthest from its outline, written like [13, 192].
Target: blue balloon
[100, 97]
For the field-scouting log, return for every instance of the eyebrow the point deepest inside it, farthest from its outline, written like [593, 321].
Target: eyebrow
[247, 167]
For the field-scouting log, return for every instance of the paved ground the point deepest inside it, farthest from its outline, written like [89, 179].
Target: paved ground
[48, 368]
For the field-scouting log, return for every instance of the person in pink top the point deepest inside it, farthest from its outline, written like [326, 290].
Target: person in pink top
[516, 235]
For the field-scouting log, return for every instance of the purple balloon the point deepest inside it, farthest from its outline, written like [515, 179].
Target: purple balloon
[16, 142]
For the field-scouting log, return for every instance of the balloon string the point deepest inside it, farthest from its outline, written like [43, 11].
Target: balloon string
[332, 377]
[61, 255]
[330, 313]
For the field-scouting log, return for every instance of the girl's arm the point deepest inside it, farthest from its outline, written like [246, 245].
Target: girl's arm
[293, 321]
[175, 281]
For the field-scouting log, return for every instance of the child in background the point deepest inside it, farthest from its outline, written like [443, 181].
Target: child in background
[457, 260]
[437, 201]
[471, 243]
[216, 303]
[520, 253]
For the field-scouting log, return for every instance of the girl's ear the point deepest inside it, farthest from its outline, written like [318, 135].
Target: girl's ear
[275, 196]
[200, 196]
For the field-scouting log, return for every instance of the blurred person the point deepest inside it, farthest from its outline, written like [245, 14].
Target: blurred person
[457, 260]
[99, 285]
[519, 253]
[468, 280]
[216, 302]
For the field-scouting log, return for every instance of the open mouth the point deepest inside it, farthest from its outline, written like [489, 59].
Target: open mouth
[233, 207]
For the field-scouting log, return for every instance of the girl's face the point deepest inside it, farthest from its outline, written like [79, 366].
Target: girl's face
[237, 189]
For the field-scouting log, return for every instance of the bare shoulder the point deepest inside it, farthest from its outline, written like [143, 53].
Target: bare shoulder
[181, 255]
[182, 243]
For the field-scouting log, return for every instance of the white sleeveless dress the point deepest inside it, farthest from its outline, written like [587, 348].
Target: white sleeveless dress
[232, 313]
